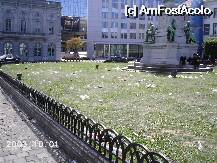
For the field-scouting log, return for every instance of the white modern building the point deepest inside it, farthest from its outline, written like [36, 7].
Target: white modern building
[210, 23]
[111, 33]
[30, 29]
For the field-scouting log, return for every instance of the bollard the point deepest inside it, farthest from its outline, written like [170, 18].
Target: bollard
[97, 67]
[19, 76]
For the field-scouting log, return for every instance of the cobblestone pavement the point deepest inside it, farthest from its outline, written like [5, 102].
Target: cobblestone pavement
[22, 141]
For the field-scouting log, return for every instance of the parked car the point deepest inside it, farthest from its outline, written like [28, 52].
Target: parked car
[75, 56]
[116, 59]
[131, 58]
[6, 59]
[83, 57]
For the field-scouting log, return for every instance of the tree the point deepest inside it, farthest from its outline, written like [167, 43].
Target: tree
[211, 48]
[74, 44]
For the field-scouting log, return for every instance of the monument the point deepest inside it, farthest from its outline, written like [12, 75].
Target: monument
[172, 39]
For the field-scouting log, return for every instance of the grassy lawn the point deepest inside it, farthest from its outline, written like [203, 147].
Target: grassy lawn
[177, 117]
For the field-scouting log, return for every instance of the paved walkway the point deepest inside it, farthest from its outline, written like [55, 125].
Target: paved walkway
[21, 141]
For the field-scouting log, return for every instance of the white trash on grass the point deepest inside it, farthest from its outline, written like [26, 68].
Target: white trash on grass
[84, 97]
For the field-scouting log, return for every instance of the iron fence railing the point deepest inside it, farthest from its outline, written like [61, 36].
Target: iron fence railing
[116, 148]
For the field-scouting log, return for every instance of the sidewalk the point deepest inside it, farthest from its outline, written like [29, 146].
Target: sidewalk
[21, 141]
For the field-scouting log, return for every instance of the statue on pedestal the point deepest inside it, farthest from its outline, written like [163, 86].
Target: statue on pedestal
[171, 31]
[172, 40]
[150, 34]
[189, 37]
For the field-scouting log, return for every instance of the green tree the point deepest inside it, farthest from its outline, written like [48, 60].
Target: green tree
[211, 47]
[74, 44]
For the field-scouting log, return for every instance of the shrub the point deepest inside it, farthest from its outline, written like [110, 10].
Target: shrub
[211, 48]
[74, 43]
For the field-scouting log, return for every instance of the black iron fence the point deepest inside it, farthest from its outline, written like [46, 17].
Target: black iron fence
[116, 148]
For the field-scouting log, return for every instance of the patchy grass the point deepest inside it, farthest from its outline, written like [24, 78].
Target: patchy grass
[177, 117]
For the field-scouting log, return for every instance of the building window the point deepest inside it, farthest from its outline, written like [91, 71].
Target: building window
[206, 29]
[142, 26]
[51, 49]
[8, 49]
[114, 25]
[141, 2]
[132, 35]
[105, 4]
[215, 13]
[105, 25]
[123, 16]
[114, 15]
[8, 25]
[133, 2]
[114, 35]
[23, 26]
[214, 28]
[37, 28]
[123, 35]
[123, 25]
[132, 25]
[37, 49]
[141, 36]
[115, 4]
[23, 49]
[104, 34]
[123, 3]
[105, 15]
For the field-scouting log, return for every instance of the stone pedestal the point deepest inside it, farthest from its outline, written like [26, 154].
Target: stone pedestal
[166, 53]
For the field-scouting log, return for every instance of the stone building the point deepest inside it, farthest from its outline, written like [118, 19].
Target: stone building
[30, 29]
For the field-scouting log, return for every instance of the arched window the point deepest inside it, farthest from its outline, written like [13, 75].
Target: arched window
[8, 25]
[37, 49]
[37, 25]
[51, 49]
[8, 49]
[23, 49]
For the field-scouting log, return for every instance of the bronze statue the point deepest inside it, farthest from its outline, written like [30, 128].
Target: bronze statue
[150, 34]
[189, 37]
[171, 31]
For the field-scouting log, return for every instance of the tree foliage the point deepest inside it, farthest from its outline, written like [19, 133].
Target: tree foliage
[211, 47]
[74, 44]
